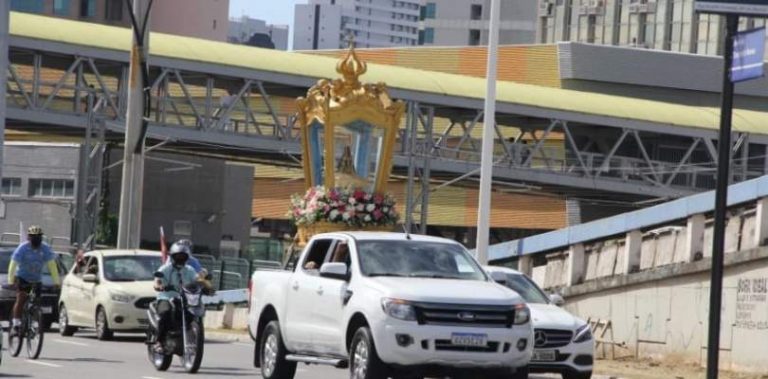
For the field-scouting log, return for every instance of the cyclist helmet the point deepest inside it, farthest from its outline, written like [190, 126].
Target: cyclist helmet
[35, 230]
[179, 254]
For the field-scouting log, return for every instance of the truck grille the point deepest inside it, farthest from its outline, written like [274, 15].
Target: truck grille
[550, 338]
[144, 302]
[446, 345]
[465, 315]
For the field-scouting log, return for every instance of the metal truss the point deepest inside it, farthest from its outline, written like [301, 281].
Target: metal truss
[238, 112]
[89, 182]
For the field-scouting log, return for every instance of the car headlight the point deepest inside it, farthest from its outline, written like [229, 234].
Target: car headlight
[522, 314]
[399, 309]
[121, 297]
[583, 334]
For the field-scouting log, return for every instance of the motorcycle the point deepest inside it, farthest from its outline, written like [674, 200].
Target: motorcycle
[186, 335]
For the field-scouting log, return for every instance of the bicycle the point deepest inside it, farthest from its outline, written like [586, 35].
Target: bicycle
[31, 328]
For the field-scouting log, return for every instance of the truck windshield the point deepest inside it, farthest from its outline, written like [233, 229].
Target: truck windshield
[417, 259]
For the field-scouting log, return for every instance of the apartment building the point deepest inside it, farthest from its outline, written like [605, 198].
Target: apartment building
[466, 22]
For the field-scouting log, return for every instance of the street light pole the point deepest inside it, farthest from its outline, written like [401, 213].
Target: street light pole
[131, 190]
[489, 124]
[721, 202]
[5, 18]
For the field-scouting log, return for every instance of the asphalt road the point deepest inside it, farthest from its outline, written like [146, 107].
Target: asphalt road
[84, 357]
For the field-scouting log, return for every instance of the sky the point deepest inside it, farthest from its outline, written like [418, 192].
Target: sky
[278, 12]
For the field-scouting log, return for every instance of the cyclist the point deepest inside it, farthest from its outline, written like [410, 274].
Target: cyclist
[176, 273]
[26, 268]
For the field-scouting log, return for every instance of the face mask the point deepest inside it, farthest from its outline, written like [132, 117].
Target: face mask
[179, 262]
[36, 241]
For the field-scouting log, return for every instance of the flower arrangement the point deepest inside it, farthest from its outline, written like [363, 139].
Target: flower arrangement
[350, 206]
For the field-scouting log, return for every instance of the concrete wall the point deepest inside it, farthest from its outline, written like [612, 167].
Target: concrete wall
[664, 313]
[27, 161]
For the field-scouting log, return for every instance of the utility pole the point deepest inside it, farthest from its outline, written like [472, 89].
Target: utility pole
[131, 190]
[5, 18]
[489, 124]
[721, 201]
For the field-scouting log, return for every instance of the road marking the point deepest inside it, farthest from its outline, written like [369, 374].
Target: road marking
[150, 377]
[71, 342]
[42, 363]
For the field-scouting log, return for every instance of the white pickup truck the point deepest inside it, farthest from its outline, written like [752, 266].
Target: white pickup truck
[388, 305]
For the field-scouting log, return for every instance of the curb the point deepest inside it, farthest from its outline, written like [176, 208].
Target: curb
[228, 336]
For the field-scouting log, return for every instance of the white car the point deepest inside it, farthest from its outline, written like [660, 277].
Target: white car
[388, 305]
[562, 342]
[110, 291]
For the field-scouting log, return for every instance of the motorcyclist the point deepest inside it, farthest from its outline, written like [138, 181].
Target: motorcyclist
[202, 273]
[176, 274]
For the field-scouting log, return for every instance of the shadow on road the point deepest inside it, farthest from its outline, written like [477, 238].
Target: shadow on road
[15, 376]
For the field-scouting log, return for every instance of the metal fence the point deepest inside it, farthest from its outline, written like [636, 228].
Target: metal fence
[233, 273]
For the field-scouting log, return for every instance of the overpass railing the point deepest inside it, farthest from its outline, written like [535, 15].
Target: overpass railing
[678, 231]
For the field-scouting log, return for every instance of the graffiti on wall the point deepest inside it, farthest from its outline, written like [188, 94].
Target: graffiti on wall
[752, 304]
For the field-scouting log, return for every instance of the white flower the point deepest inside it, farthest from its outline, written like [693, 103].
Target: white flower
[385, 209]
[352, 200]
[345, 216]
[367, 218]
[334, 214]
[370, 207]
[360, 207]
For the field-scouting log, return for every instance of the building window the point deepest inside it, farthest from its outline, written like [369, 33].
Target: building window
[87, 8]
[114, 10]
[34, 6]
[61, 7]
[428, 11]
[429, 36]
[50, 188]
[11, 187]
[474, 37]
[476, 12]
[214, 24]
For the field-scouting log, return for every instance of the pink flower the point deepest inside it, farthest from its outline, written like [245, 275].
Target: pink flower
[377, 215]
[359, 195]
[378, 199]
[334, 195]
[327, 208]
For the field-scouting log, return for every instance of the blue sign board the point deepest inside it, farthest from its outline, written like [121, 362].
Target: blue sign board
[748, 53]
[740, 7]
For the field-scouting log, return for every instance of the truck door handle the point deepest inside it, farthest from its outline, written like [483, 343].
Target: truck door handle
[295, 286]
[320, 291]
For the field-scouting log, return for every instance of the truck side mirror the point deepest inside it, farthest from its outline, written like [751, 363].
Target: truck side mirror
[556, 299]
[335, 271]
[90, 278]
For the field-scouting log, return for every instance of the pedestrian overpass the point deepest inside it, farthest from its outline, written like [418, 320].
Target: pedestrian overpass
[237, 102]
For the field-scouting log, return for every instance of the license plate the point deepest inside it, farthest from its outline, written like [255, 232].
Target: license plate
[47, 310]
[544, 355]
[469, 339]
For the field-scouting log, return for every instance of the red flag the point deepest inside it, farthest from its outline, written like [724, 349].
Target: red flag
[163, 248]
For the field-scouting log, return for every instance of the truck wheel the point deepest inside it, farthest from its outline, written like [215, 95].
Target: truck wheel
[577, 375]
[273, 363]
[364, 362]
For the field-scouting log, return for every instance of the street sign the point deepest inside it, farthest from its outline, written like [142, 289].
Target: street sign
[740, 7]
[748, 53]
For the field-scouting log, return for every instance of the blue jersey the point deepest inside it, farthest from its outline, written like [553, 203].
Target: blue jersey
[171, 278]
[31, 261]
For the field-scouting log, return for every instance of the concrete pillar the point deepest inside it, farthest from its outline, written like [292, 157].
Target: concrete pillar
[525, 265]
[632, 249]
[694, 237]
[761, 222]
[577, 264]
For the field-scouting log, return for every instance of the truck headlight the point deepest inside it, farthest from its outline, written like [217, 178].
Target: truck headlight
[583, 334]
[399, 309]
[522, 314]
[119, 297]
